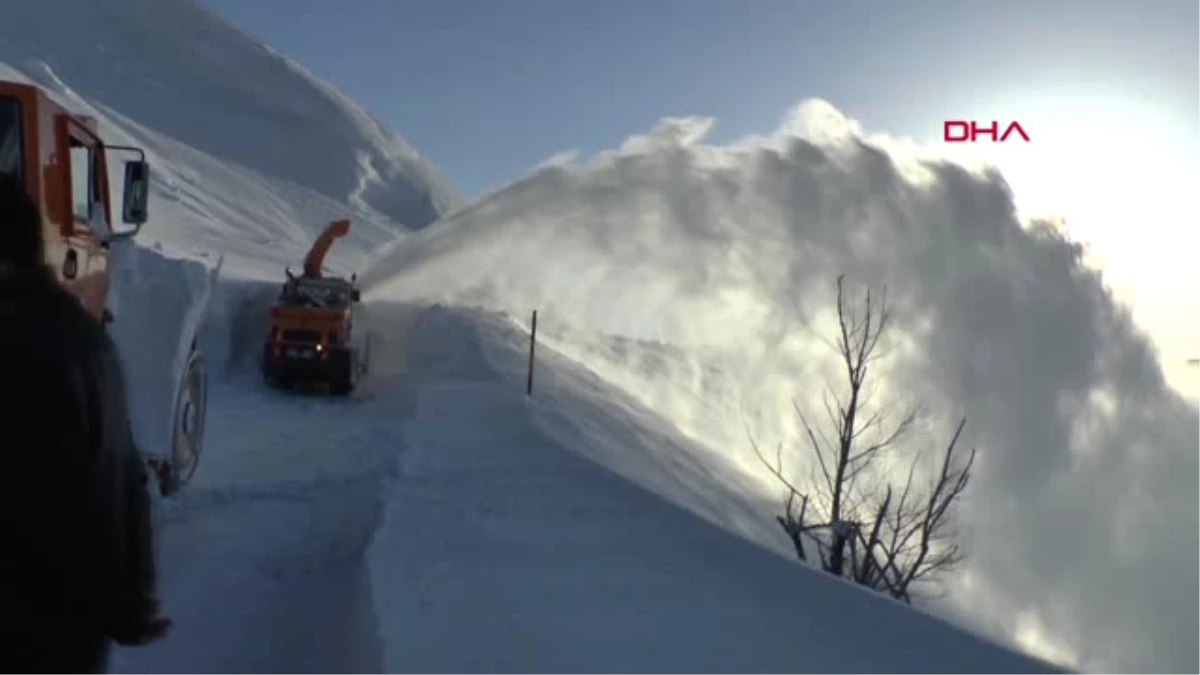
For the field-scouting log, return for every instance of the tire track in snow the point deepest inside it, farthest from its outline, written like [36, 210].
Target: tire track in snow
[266, 549]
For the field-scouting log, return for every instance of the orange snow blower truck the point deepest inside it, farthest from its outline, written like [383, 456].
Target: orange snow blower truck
[62, 162]
[311, 338]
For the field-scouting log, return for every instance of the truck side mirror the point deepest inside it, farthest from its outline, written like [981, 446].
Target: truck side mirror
[354, 295]
[137, 194]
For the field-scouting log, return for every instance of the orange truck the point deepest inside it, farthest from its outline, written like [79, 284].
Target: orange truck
[62, 161]
[311, 337]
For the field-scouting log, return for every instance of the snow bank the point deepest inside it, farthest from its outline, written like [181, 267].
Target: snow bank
[585, 413]
[502, 551]
[729, 253]
[177, 68]
[237, 325]
[157, 303]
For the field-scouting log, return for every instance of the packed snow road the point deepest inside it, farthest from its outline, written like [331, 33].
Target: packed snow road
[262, 557]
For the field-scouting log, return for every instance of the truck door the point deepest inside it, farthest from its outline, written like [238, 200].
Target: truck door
[84, 268]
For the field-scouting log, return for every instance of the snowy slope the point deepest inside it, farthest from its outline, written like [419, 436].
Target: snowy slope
[498, 536]
[203, 206]
[179, 69]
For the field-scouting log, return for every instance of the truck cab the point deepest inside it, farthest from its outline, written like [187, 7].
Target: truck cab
[63, 164]
[311, 334]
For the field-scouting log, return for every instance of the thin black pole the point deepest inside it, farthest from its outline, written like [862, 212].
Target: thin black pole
[532, 341]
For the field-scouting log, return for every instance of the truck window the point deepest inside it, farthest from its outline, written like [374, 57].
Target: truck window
[81, 181]
[11, 155]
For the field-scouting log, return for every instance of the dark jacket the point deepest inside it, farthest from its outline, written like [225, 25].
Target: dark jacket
[77, 568]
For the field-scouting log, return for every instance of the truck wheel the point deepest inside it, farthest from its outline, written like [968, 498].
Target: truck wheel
[187, 429]
[343, 372]
[267, 374]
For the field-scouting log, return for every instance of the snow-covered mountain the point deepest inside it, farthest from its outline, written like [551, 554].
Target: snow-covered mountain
[179, 69]
[441, 521]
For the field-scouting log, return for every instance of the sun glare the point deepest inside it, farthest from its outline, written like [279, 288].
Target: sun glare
[1120, 175]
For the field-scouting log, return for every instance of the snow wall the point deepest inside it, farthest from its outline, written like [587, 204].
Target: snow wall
[157, 303]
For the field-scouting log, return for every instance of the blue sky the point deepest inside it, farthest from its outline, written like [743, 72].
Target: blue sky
[487, 89]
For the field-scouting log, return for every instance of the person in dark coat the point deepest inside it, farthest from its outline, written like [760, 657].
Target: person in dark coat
[77, 569]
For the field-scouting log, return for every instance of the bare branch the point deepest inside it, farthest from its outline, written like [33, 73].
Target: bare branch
[815, 446]
[882, 534]
[777, 469]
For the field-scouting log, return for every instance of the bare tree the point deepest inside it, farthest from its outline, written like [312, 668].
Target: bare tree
[864, 525]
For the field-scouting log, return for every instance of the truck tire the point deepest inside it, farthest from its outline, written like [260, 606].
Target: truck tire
[265, 364]
[272, 378]
[343, 372]
[187, 427]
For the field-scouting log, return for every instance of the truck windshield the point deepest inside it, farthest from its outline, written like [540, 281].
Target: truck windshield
[316, 293]
[10, 138]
